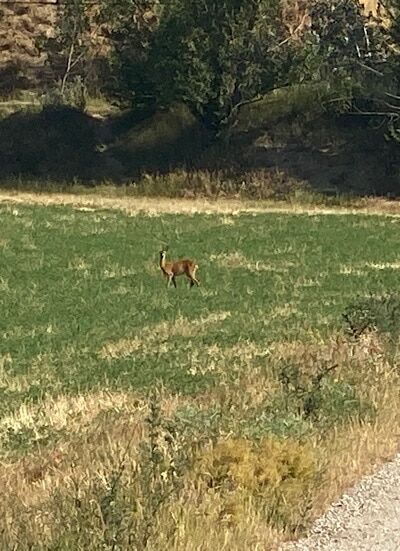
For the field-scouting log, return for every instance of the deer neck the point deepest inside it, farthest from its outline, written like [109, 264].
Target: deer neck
[162, 263]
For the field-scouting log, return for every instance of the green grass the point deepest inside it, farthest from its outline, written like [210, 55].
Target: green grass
[91, 340]
[72, 281]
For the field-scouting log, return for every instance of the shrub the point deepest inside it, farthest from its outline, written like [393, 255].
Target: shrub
[263, 184]
[278, 473]
[319, 398]
[282, 104]
[376, 313]
[74, 95]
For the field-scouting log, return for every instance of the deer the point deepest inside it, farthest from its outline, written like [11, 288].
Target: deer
[171, 270]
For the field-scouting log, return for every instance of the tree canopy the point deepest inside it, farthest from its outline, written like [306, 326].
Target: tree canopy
[214, 55]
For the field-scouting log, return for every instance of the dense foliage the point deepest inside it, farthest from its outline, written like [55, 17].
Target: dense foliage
[213, 55]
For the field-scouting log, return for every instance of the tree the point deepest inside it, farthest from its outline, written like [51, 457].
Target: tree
[386, 99]
[342, 42]
[72, 49]
[347, 49]
[209, 54]
[129, 26]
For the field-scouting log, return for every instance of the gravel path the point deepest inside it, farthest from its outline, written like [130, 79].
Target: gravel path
[365, 519]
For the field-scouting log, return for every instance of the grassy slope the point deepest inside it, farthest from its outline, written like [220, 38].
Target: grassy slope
[84, 309]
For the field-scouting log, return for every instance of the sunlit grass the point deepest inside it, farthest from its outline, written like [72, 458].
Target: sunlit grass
[89, 330]
[73, 283]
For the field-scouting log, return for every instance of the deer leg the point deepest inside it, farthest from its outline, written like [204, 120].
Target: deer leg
[194, 281]
[173, 281]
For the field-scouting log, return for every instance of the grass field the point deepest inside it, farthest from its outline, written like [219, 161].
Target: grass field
[136, 416]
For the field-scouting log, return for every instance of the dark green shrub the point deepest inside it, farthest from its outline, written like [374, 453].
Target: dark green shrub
[320, 398]
[375, 313]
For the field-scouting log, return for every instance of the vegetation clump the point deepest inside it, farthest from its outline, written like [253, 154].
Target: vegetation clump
[278, 474]
[374, 313]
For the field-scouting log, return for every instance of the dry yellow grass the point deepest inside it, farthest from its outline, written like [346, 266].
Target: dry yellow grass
[212, 526]
[73, 413]
[100, 426]
[358, 451]
[154, 339]
[358, 448]
[345, 453]
[237, 259]
[31, 481]
[371, 5]
[158, 206]
[338, 350]
[236, 359]
[94, 425]
[359, 269]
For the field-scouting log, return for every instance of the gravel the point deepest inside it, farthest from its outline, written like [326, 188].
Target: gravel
[366, 518]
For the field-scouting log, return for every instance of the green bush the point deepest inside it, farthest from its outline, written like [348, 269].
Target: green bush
[307, 100]
[375, 313]
[195, 55]
[319, 398]
[73, 95]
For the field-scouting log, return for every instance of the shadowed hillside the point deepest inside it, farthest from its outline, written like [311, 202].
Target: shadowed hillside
[269, 141]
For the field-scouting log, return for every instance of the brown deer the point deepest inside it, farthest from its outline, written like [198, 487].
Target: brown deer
[180, 267]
